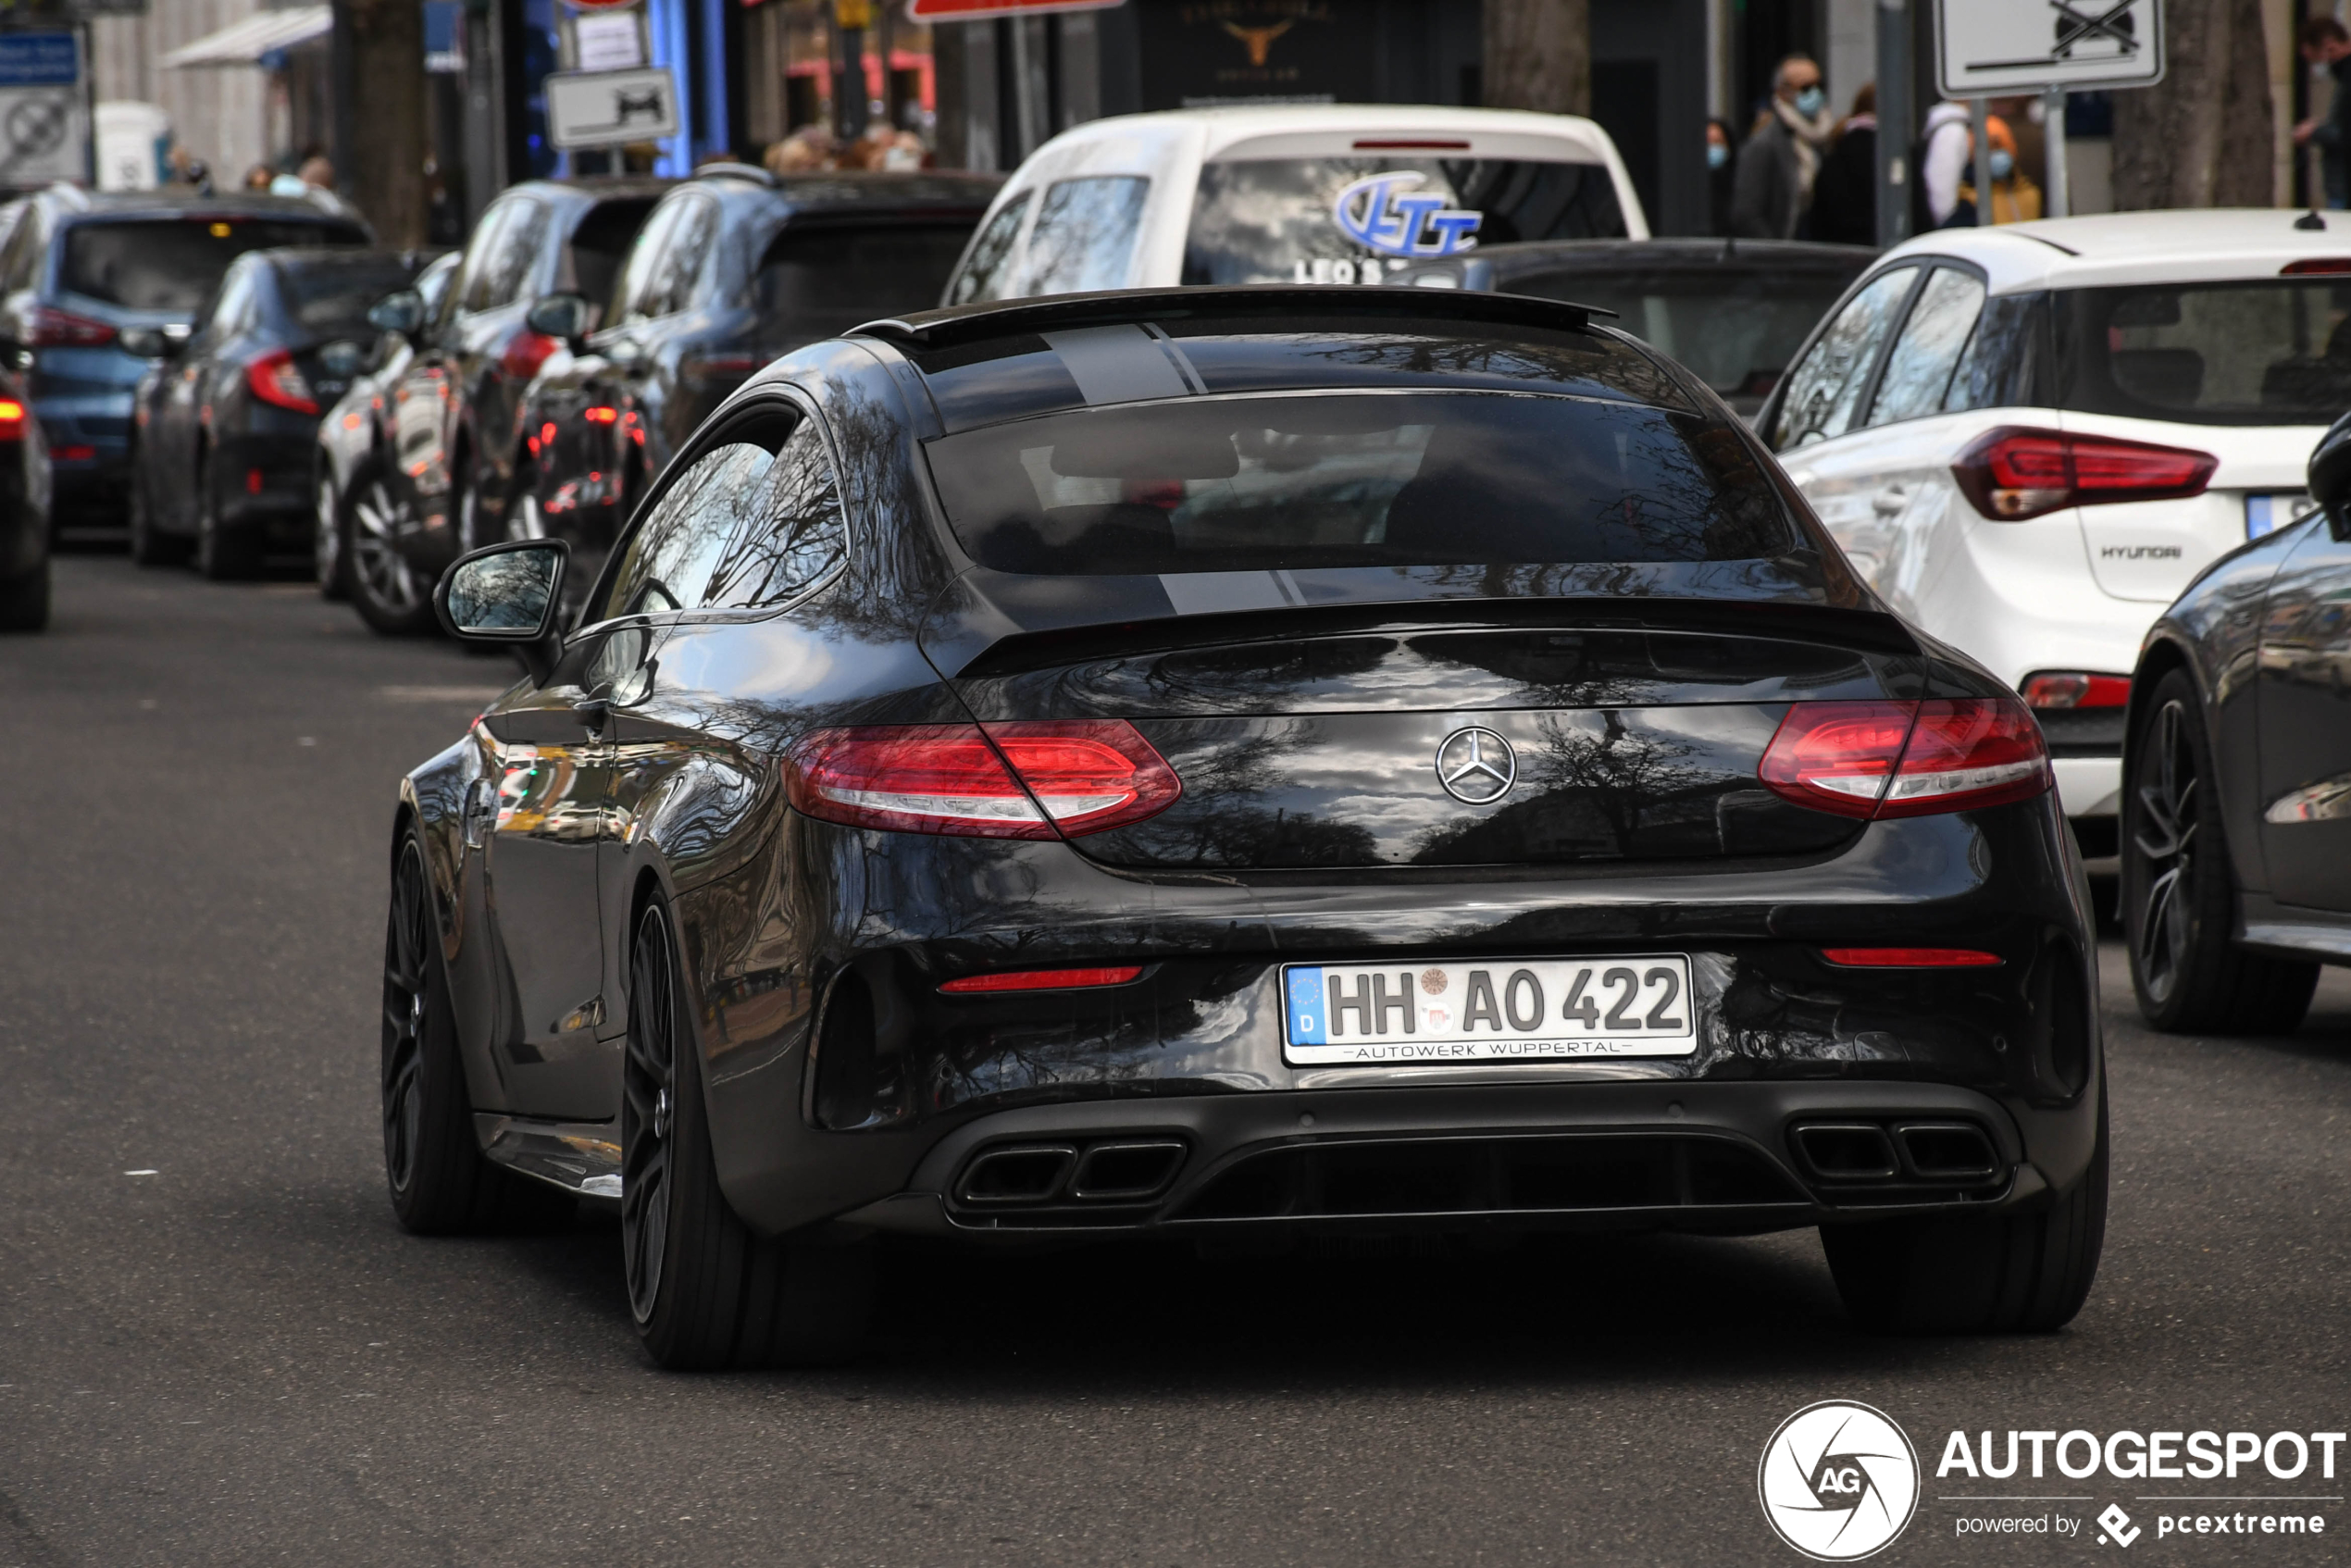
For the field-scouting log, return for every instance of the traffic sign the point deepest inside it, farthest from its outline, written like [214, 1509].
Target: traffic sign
[606, 108]
[977, 11]
[1987, 48]
[45, 129]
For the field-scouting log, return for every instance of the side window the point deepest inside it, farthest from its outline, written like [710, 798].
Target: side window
[481, 253]
[1084, 234]
[229, 307]
[513, 265]
[20, 263]
[1824, 386]
[676, 267]
[645, 255]
[1918, 371]
[791, 537]
[674, 555]
[2001, 365]
[986, 273]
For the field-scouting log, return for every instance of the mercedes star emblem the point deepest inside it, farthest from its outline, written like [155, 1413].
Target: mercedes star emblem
[1476, 767]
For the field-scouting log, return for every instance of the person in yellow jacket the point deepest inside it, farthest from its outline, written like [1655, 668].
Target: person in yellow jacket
[2015, 199]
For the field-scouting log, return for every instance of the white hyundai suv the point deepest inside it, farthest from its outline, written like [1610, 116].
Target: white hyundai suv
[2031, 437]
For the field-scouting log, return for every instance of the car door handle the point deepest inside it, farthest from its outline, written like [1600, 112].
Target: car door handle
[594, 713]
[1890, 500]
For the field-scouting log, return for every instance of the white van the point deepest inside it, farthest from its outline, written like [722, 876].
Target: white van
[1306, 194]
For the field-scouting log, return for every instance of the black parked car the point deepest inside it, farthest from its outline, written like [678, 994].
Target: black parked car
[2236, 777]
[93, 288]
[226, 426]
[733, 270]
[24, 488]
[1237, 763]
[443, 439]
[1733, 312]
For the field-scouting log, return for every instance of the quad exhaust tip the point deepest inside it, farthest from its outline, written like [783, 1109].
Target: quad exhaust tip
[1903, 1152]
[1114, 1171]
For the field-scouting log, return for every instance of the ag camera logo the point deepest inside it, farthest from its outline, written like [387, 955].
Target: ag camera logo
[1838, 1481]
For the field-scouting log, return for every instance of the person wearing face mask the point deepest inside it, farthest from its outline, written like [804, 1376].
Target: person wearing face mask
[2015, 199]
[1774, 183]
[1721, 146]
[1945, 146]
[1844, 196]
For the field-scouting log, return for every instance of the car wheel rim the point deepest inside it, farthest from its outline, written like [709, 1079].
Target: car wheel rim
[2164, 839]
[405, 1006]
[648, 1088]
[377, 564]
[324, 542]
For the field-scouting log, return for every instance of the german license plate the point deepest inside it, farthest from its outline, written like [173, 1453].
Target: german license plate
[1487, 1010]
[2268, 512]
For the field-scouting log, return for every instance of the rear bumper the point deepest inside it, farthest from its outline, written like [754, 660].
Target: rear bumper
[2089, 786]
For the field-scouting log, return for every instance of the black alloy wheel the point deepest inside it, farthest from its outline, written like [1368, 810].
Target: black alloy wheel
[441, 1183]
[391, 595]
[149, 545]
[329, 557]
[705, 1291]
[225, 551]
[2179, 896]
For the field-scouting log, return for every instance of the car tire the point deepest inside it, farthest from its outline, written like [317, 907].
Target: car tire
[705, 1291]
[24, 600]
[1976, 1273]
[150, 546]
[225, 551]
[2179, 894]
[330, 538]
[440, 1183]
[391, 595]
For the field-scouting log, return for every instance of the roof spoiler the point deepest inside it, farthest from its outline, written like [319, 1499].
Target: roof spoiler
[1277, 303]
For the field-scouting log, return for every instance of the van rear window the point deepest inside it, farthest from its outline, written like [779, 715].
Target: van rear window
[173, 263]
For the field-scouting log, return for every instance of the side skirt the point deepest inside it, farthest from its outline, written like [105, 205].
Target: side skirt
[583, 1158]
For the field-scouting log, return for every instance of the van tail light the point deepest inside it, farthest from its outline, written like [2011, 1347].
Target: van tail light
[45, 328]
[2069, 689]
[11, 419]
[526, 352]
[276, 380]
[1878, 760]
[977, 781]
[2013, 473]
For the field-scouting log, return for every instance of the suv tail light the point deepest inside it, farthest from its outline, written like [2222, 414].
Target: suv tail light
[1877, 760]
[978, 782]
[2068, 689]
[2013, 473]
[276, 380]
[45, 328]
[11, 419]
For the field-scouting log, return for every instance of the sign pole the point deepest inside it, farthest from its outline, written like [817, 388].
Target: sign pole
[1894, 122]
[2058, 196]
[1978, 119]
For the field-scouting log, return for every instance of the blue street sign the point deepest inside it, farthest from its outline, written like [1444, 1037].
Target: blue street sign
[39, 59]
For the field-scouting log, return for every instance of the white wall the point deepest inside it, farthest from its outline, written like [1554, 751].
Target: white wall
[220, 112]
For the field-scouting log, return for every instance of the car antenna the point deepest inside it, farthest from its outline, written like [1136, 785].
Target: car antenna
[2311, 220]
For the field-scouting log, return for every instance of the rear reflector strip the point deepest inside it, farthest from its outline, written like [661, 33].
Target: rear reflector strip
[1911, 958]
[2069, 689]
[1044, 980]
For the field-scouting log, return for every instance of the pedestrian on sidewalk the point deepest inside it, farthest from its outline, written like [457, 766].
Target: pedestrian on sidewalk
[1722, 147]
[2326, 43]
[1845, 195]
[1781, 157]
[1945, 146]
[2015, 199]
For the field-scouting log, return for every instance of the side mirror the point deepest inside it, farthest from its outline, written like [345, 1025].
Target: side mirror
[509, 593]
[146, 343]
[565, 316]
[2330, 480]
[402, 311]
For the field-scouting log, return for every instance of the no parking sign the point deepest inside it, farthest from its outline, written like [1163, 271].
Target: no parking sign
[44, 131]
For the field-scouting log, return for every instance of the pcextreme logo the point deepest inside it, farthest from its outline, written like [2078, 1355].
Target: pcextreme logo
[1838, 1481]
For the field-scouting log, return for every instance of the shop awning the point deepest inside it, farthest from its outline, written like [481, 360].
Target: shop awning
[245, 43]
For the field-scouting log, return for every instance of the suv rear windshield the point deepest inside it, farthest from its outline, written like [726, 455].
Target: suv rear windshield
[1281, 220]
[816, 282]
[2265, 353]
[174, 263]
[1365, 479]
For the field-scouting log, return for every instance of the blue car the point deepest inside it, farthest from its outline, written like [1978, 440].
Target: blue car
[94, 288]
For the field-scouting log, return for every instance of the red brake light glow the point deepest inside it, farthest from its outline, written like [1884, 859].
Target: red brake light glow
[2310, 264]
[2012, 473]
[951, 778]
[1911, 958]
[2068, 689]
[596, 416]
[276, 380]
[1877, 760]
[1044, 980]
[526, 352]
[11, 419]
[45, 328]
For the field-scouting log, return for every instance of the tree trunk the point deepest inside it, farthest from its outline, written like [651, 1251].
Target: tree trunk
[387, 90]
[1538, 56]
[2202, 136]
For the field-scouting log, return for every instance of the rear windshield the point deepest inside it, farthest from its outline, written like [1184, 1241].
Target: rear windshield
[601, 241]
[819, 282]
[1271, 484]
[2269, 353]
[175, 263]
[332, 301]
[1736, 332]
[1355, 219]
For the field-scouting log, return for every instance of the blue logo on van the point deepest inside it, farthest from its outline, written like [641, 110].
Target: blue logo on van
[1378, 213]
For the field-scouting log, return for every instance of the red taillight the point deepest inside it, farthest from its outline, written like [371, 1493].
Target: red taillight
[1088, 775]
[1877, 760]
[276, 378]
[45, 328]
[73, 454]
[2317, 264]
[2012, 473]
[1911, 958]
[2068, 689]
[598, 416]
[11, 419]
[526, 352]
[1042, 981]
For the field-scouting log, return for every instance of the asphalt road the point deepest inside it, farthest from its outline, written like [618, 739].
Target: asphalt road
[239, 1358]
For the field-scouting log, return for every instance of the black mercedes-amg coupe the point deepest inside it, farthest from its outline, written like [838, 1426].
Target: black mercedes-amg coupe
[1235, 763]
